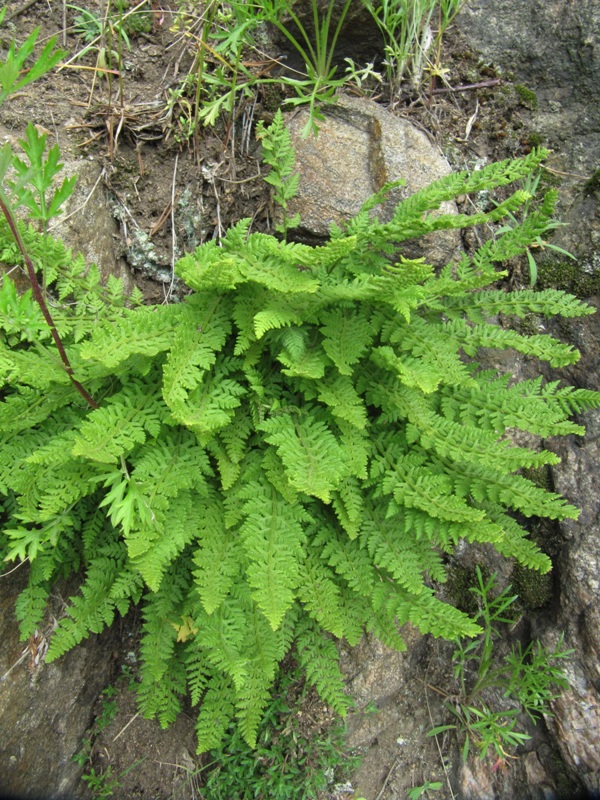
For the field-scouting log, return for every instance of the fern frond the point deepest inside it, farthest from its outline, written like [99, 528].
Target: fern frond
[347, 335]
[93, 609]
[348, 503]
[123, 421]
[309, 451]
[216, 713]
[340, 395]
[166, 541]
[217, 559]
[320, 595]
[202, 333]
[541, 346]
[266, 647]
[163, 669]
[319, 657]
[425, 611]
[144, 331]
[486, 305]
[272, 536]
[222, 637]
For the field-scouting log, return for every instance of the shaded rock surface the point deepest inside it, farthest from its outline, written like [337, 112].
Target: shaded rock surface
[45, 709]
[552, 47]
[576, 722]
[361, 147]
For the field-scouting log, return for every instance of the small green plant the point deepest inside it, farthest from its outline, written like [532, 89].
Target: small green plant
[531, 187]
[278, 153]
[316, 49]
[14, 75]
[107, 35]
[108, 710]
[406, 29]
[530, 678]
[287, 763]
[35, 187]
[226, 33]
[99, 33]
[218, 78]
[418, 791]
[102, 784]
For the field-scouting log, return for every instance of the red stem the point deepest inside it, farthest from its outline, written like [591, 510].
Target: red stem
[37, 292]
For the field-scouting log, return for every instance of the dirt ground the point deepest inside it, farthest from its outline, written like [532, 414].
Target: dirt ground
[167, 194]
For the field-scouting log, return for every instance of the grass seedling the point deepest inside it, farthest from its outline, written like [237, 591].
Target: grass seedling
[529, 679]
[539, 243]
[406, 27]
[316, 47]
[105, 34]
[218, 76]
[320, 84]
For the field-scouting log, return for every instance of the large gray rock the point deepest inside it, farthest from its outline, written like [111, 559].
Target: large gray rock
[45, 709]
[553, 48]
[576, 722]
[360, 147]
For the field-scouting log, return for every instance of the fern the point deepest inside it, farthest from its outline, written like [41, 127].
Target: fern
[286, 456]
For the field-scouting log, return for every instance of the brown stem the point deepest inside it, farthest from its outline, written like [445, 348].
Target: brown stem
[37, 292]
[468, 87]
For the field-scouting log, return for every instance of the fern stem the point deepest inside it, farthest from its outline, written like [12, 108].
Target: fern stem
[37, 292]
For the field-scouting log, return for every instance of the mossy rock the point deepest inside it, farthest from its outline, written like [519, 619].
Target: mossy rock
[574, 277]
[527, 96]
[461, 580]
[533, 589]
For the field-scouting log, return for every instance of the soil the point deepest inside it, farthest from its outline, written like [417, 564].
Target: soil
[167, 194]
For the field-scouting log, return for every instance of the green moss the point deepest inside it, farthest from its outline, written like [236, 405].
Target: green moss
[460, 582]
[534, 590]
[582, 280]
[526, 96]
[540, 475]
[535, 139]
[592, 186]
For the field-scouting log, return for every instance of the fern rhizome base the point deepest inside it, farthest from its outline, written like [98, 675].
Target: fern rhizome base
[286, 456]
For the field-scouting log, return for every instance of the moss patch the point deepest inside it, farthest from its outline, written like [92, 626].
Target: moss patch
[592, 186]
[534, 590]
[582, 280]
[460, 582]
[526, 96]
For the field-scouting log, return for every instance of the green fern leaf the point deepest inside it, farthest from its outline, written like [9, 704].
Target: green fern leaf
[272, 537]
[319, 657]
[216, 714]
[309, 451]
[346, 335]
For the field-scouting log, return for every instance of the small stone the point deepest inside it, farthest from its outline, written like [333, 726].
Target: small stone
[361, 147]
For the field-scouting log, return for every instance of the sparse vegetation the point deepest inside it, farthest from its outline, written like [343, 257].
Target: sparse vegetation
[528, 678]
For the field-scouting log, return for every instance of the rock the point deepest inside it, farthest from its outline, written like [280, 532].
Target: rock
[88, 225]
[576, 722]
[360, 147]
[45, 709]
[475, 780]
[552, 48]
